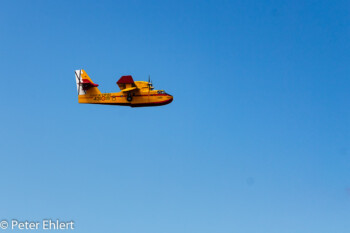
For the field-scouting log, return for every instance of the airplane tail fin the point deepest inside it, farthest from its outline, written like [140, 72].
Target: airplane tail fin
[85, 85]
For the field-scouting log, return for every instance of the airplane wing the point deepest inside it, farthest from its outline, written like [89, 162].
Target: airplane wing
[129, 89]
[126, 83]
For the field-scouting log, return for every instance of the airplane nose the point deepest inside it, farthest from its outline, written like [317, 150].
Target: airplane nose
[170, 98]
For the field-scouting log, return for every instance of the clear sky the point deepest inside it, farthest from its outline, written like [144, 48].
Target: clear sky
[256, 139]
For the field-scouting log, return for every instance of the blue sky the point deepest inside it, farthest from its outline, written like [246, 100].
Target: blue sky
[256, 140]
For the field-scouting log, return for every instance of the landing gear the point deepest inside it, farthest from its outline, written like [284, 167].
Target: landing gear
[129, 97]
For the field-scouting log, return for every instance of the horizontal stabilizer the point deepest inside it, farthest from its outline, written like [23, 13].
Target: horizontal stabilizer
[87, 84]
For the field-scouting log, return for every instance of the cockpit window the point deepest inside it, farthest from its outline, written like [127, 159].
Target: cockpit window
[161, 92]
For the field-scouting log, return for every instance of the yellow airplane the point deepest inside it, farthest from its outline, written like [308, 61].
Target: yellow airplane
[132, 93]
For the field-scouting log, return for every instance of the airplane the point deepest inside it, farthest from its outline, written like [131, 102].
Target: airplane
[132, 93]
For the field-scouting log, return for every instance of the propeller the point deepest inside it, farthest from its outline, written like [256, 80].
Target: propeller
[150, 85]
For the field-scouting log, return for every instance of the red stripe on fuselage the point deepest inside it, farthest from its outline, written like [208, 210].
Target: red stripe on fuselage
[138, 105]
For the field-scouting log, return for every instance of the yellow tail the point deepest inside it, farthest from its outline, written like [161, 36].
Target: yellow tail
[85, 85]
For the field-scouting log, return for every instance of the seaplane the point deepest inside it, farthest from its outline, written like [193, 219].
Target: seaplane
[132, 93]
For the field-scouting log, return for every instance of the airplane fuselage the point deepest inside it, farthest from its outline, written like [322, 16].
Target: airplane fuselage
[120, 98]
